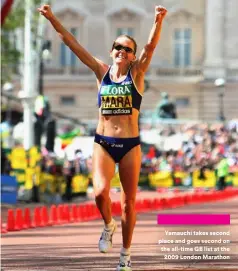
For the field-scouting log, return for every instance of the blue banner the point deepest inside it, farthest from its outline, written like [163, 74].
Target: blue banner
[8, 189]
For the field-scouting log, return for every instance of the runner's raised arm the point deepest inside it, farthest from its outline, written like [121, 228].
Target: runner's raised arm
[95, 65]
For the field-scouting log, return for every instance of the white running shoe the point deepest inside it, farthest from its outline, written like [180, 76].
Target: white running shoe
[124, 263]
[105, 242]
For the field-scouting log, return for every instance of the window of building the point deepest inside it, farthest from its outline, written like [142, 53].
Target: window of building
[182, 47]
[67, 100]
[67, 57]
[125, 31]
[182, 102]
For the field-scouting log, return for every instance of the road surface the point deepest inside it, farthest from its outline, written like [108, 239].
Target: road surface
[74, 246]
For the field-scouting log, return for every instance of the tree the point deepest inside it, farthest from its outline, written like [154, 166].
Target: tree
[10, 55]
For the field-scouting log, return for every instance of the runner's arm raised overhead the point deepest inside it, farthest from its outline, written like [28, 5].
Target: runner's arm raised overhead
[145, 57]
[94, 64]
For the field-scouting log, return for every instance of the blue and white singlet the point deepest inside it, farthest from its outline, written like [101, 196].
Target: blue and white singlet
[118, 98]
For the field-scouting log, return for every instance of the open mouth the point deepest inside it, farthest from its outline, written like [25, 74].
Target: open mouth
[120, 56]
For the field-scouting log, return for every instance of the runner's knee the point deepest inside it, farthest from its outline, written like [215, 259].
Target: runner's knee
[128, 206]
[101, 193]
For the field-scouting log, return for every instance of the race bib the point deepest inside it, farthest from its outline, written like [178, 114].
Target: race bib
[116, 100]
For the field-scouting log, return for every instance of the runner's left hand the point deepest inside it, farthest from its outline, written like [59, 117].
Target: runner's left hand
[160, 13]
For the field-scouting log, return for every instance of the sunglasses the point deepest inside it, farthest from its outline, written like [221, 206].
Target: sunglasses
[119, 47]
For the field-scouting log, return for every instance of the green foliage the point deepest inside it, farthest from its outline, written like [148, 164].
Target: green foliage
[15, 18]
[10, 56]
[9, 59]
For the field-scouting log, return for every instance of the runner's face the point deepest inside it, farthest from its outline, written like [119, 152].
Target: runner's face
[122, 55]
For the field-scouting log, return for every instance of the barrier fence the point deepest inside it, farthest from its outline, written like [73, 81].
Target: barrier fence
[55, 183]
[26, 168]
[42, 216]
[26, 173]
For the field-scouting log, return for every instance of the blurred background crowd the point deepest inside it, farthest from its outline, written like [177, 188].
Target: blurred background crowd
[182, 156]
[198, 146]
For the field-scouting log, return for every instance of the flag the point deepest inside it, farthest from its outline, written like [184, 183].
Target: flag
[5, 9]
[67, 138]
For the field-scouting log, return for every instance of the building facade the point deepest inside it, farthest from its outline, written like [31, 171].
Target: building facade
[199, 43]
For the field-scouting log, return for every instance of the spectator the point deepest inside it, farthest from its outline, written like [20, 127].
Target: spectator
[5, 163]
[48, 166]
[68, 172]
[80, 165]
[222, 172]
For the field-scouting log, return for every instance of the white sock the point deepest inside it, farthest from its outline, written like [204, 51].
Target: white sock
[110, 225]
[125, 251]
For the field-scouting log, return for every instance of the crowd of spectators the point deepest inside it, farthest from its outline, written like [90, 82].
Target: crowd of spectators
[199, 147]
[67, 168]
